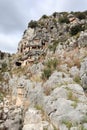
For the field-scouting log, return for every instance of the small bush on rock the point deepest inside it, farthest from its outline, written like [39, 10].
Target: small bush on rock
[77, 79]
[75, 29]
[46, 73]
[33, 24]
[80, 15]
[51, 65]
[1, 96]
[54, 14]
[63, 19]
[53, 47]
[4, 67]
[44, 16]
[67, 123]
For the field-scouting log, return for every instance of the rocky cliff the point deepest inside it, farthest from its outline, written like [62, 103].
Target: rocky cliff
[44, 85]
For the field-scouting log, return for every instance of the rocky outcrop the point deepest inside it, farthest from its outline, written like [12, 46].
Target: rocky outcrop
[5, 68]
[43, 86]
[82, 40]
[52, 32]
[4, 55]
[83, 74]
[56, 79]
[11, 117]
[64, 106]
[36, 68]
[34, 119]
[74, 72]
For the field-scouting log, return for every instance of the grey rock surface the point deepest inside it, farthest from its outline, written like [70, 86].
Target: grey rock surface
[57, 79]
[33, 120]
[83, 74]
[63, 103]
[82, 41]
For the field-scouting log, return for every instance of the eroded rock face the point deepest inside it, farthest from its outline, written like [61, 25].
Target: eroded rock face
[65, 105]
[27, 35]
[57, 102]
[25, 91]
[33, 120]
[57, 79]
[36, 68]
[19, 88]
[11, 117]
[74, 72]
[82, 41]
[83, 73]
[4, 55]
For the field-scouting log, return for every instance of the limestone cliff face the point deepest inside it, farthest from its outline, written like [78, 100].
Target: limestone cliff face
[58, 28]
[44, 85]
[39, 35]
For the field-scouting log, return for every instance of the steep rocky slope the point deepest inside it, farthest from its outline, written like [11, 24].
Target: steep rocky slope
[44, 85]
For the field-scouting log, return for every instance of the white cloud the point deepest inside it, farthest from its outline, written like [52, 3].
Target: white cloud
[9, 43]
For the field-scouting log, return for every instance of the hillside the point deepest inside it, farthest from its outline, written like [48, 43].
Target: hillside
[44, 85]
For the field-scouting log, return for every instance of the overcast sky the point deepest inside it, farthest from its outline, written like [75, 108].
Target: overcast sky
[15, 15]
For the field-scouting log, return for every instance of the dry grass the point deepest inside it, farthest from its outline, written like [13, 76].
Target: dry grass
[36, 78]
[71, 58]
[47, 91]
[72, 97]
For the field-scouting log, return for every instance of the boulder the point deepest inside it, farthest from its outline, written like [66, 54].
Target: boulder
[83, 74]
[33, 121]
[36, 68]
[82, 40]
[57, 79]
[66, 105]
[74, 71]
[35, 95]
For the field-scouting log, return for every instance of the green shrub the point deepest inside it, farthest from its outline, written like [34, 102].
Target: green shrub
[85, 12]
[84, 119]
[55, 63]
[85, 26]
[72, 97]
[33, 24]
[55, 128]
[74, 104]
[75, 29]
[48, 64]
[44, 16]
[80, 15]
[4, 67]
[77, 79]
[67, 123]
[63, 19]
[53, 47]
[24, 32]
[82, 127]
[54, 14]
[38, 107]
[64, 13]
[1, 96]
[46, 73]
[52, 63]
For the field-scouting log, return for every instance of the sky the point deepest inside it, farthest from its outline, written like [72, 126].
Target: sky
[16, 14]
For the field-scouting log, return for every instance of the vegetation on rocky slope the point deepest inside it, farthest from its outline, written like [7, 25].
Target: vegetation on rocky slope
[44, 84]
